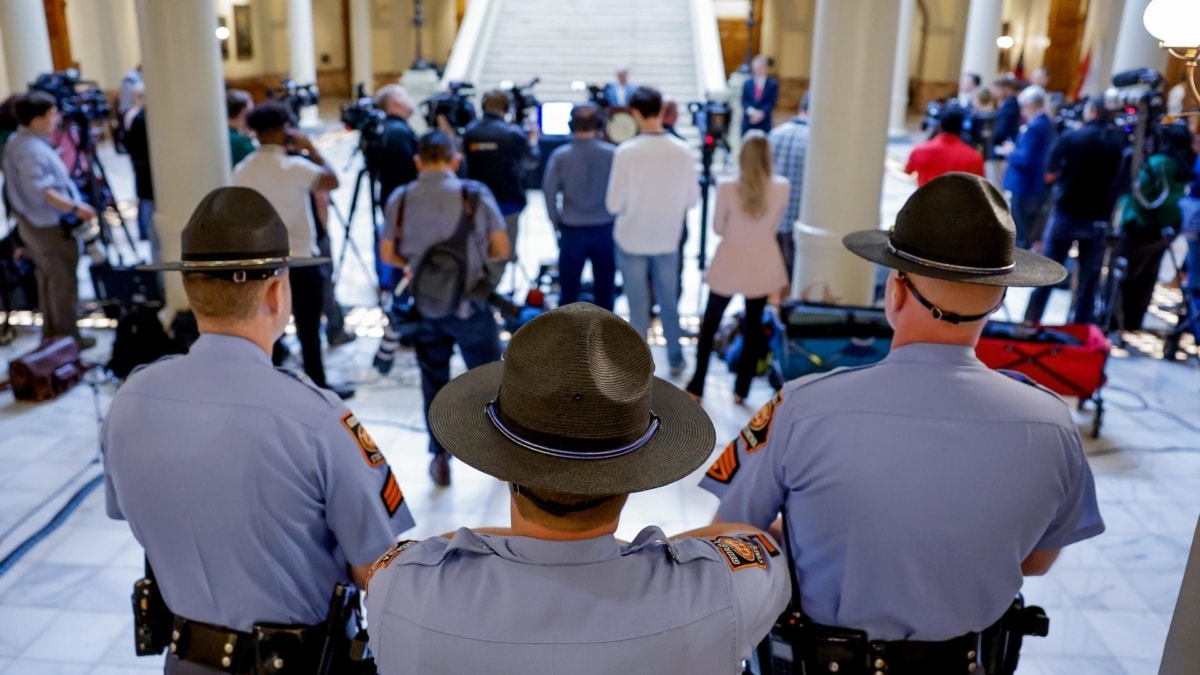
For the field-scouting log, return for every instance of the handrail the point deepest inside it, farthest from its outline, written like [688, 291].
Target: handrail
[706, 46]
[471, 44]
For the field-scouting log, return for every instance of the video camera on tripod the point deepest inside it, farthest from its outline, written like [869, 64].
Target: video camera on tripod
[523, 99]
[80, 101]
[296, 96]
[712, 119]
[364, 117]
[454, 104]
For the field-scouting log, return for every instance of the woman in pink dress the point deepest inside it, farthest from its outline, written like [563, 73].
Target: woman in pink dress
[748, 261]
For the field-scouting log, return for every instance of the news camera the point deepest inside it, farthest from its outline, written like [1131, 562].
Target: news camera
[523, 99]
[712, 119]
[296, 96]
[454, 104]
[80, 101]
[364, 117]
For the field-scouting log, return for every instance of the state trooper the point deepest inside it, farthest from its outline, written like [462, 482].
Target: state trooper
[253, 491]
[574, 420]
[916, 492]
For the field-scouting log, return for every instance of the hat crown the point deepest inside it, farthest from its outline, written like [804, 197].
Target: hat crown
[578, 376]
[234, 223]
[957, 220]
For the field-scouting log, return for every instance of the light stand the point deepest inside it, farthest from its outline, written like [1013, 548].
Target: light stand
[418, 23]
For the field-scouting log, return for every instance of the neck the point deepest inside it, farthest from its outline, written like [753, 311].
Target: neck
[256, 332]
[965, 335]
[580, 135]
[525, 528]
[651, 126]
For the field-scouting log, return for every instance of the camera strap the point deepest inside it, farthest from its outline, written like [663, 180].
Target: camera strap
[399, 222]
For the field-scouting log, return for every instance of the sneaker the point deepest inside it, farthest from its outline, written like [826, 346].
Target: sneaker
[85, 342]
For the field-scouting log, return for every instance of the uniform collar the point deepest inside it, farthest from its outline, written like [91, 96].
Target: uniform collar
[547, 552]
[230, 346]
[935, 354]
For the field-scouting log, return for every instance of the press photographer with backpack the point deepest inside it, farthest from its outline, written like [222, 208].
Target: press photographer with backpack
[450, 235]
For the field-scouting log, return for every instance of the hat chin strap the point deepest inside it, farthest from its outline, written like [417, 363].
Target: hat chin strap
[949, 317]
[554, 508]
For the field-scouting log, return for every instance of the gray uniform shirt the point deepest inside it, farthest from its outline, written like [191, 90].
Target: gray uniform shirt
[579, 172]
[32, 166]
[487, 604]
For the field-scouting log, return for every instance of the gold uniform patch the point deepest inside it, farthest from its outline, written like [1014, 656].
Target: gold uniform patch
[391, 494]
[387, 558]
[759, 428]
[370, 451]
[741, 553]
[726, 465]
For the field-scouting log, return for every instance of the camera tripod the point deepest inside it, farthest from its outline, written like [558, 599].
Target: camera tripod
[367, 178]
[95, 186]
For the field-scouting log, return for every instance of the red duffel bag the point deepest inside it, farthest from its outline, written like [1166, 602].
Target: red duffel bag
[47, 371]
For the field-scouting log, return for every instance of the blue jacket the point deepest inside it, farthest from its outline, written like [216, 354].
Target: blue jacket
[1008, 123]
[765, 103]
[1026, 175]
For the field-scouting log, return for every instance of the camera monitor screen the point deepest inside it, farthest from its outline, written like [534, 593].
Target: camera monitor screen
[554, 118]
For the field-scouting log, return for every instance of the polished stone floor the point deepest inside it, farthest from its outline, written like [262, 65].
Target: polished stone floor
[64, 605]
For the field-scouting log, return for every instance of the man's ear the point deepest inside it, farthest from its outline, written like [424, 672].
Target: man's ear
[455, 162]
[899, 291]
[274, 296]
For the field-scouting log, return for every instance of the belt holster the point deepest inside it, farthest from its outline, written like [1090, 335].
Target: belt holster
[152, 620]
[1001, 642]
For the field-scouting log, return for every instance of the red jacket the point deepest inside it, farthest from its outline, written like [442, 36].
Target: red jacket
[941, 155]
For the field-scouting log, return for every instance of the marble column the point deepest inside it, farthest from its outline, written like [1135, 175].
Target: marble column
[1136, 47]
[185, 116]
[26, 42]
[104, 39]
[362, 70]
[1103, 22]
[984, 23]
[898, 120]
[844, 194]
[302, 52]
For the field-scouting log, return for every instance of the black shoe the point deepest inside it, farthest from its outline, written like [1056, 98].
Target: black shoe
[85, 342]
[342, 338]
[439, 469]
[344, 391]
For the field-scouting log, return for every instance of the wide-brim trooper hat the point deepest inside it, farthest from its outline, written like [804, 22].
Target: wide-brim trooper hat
[957, 227]
[574, 407]
[234, 229]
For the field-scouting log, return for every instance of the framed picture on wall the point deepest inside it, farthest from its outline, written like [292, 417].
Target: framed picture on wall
[223, 29]
[243, 33]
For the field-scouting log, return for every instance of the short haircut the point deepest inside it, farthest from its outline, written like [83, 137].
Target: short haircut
[647, 101]
[951, 122]
[393, 92]
[33, 105]
[269, 116]
[496, 101]
[237, 100]
[1032, 95]
[1005, 82]
[761, 58]
[974, 77]
[217, 298]
[435, 147]
[585, 117]
[532, 504]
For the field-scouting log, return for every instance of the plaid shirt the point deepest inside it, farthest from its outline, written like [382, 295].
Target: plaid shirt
[789, 145]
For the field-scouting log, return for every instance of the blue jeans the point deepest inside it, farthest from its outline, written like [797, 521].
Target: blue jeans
[663, 270]
[578, 244]
[1029, 215]
[1060, 234]
[146, 231]
[477, 337]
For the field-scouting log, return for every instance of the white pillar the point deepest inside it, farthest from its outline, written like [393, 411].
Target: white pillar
[984, 23]
[5, 91]
[26, 42]
[101, 32]
[185, 116]
[1136, 47]
[897, 124]
[844, 194]
[302, 51]
[362, 70]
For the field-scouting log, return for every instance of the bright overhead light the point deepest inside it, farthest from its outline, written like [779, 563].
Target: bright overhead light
[1005, 42]
[1176, 23]
[222, 33]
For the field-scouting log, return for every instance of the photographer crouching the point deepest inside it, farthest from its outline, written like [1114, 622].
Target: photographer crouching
[52, 217]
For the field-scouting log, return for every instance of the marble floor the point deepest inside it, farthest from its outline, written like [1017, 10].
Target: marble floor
[65, 602]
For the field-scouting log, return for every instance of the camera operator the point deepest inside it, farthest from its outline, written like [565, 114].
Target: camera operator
[48, 207]
[1086, 164]
[391, 159]
[287, 182]
[498, 154]
[238, 105]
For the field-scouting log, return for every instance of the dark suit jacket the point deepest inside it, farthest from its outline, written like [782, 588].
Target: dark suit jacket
[1026, 175]
[610, 92]
[1088, 163]
[1008, 123]
[765, 102]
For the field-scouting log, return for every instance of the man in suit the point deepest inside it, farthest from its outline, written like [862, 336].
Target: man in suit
[618, 92]
[759, 95]
[1006, 128]
[1028, 158]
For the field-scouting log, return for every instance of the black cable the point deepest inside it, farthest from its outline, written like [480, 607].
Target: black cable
[1117, 449]
[1147, 406]
[59, 518]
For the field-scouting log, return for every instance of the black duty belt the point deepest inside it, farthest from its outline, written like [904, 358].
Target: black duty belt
[270, 648]
[849, 652]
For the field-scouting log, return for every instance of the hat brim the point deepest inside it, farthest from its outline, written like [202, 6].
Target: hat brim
[683, 442]
[1030, 269]
[230, 265]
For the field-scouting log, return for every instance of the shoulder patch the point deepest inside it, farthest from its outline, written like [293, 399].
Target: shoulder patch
[726, 466]
[741, 553]
[391, 494]
[365, 443]
[387, 558]
[770, 548]
[759, 428]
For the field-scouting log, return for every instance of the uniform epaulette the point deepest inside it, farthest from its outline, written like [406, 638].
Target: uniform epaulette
[1027, 380]
[808, 380]
[326, 395]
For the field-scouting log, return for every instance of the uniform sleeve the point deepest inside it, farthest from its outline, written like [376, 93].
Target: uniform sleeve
[1078, 517]
[111, 507]
[364, 505]
[758, 576]
[748, 475]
